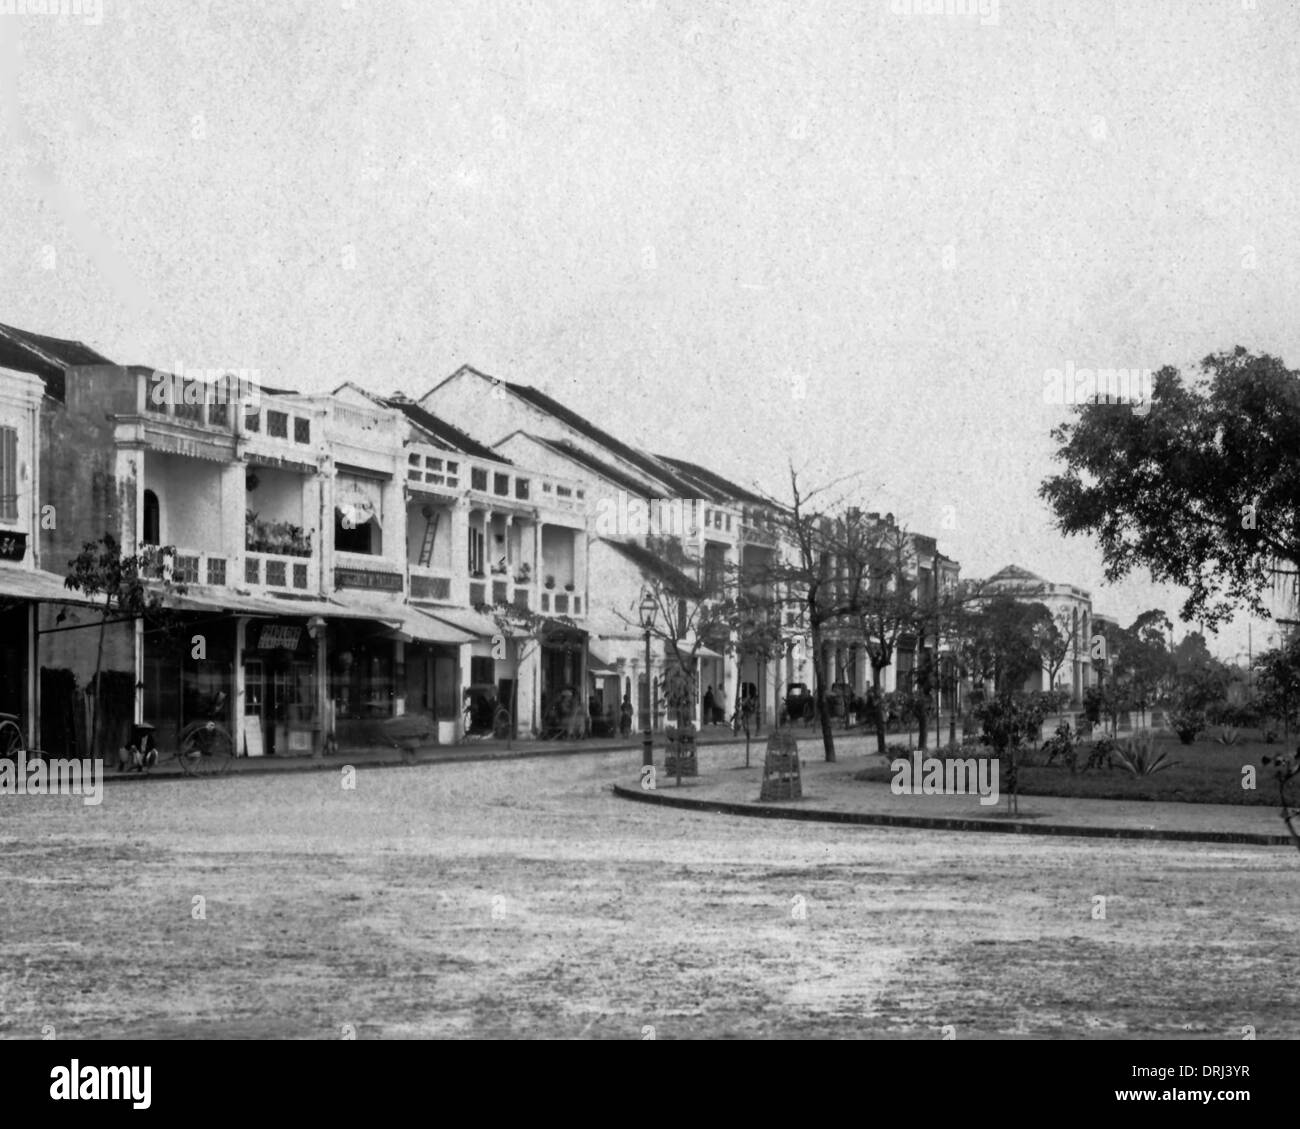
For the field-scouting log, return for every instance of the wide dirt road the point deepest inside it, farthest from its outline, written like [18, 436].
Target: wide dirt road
[520, 898]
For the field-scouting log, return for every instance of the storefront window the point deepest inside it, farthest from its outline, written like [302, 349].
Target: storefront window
[363, 679]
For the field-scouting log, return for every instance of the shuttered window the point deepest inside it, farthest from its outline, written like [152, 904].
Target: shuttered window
[8, 474]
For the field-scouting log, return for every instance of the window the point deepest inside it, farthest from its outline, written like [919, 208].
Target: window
[453, 474]
[501, 484]
[477, 550]
[8, 474]
[482, 671]
[478, 478]
[352, 536]
[521, 488]
[150, 527]
[218, 414]
[277, 425]
[252, 420]
[301, 430]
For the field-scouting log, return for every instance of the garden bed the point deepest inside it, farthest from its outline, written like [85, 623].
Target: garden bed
[1206, 772]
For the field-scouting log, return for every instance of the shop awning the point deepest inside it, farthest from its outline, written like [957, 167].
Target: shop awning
[37, 584]
[598, 665]
[477, 624]
[420, 628]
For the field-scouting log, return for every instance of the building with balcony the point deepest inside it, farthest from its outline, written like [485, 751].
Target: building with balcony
[633, 497]
[283, 517]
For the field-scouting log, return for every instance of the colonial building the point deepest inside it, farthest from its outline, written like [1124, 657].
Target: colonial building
[633, 496]
[1071, 610]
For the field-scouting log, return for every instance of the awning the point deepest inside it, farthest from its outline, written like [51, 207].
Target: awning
[203, 598]
[37, 584]
[420, 628]
[474, 623]
[600, 666]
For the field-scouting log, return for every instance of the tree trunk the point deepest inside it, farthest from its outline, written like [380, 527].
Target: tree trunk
[880, 710]
[95, 709]
[819, 678]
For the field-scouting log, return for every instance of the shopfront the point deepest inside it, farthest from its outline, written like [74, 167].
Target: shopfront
[189, 675]
[281, 714]
[564, 689]
[367, 679]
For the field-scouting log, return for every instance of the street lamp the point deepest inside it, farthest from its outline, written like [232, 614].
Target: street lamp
[648, 607]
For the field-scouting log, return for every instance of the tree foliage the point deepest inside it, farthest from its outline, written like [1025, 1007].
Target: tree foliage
[1203, 490]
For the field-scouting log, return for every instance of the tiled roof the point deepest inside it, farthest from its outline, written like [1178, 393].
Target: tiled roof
[46, 357]
[1017, 574]
[651, 564]
[725, 488]
[636, 487]
[583, 426]
[444, 432]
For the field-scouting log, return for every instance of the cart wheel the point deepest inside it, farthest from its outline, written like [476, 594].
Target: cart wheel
[11, 740]
[206, 749]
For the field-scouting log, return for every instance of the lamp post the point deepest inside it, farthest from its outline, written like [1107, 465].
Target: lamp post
[647, 621]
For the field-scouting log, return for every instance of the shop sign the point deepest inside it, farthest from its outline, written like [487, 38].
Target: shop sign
[362, 578]
[279, 636]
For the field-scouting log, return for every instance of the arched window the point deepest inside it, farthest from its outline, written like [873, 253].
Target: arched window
[150, 525]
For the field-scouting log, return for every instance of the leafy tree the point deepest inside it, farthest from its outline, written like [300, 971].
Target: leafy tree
[1202, 488]
[1277, 683]
[124, 588]
[1008, 722]
[1055, 640]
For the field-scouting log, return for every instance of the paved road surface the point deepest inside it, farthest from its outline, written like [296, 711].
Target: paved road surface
[521, 898]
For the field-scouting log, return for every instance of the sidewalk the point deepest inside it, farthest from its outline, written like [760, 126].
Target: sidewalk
[473, 749]
[831, 794]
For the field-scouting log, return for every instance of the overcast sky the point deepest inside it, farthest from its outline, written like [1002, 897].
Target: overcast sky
[733, 233]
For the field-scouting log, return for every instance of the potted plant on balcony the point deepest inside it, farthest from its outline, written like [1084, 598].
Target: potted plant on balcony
[570, 586]
[525, 574]
[550, 581]
[476, 574]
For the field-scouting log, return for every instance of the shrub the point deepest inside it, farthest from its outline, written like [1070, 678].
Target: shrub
[1186, 723]
[1229, 736]
[1138, 755]
[1062, 744]
[1101, 753]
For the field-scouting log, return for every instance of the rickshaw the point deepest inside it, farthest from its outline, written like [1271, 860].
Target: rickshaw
[799, 702]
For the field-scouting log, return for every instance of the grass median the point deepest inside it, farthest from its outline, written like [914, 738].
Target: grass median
[1204, 772]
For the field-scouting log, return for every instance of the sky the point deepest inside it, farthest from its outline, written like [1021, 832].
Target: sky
[849, 236]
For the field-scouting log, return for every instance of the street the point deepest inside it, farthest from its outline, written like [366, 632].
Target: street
[521, 898]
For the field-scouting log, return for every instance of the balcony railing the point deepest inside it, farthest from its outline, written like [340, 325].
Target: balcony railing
[276, 570]
[185, 566]
[439, 469]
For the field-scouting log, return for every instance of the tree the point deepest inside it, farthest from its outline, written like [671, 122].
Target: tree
[1008, 721]
[1140, 661]
[687, 615]
[885, 607]
[1055, 641]
[130, 587]
[1202, 488]
[1000, 641]
[753, 623]
[525, 627]
[822, 575]
[1277, 682]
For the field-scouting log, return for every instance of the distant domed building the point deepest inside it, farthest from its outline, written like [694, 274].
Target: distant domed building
[1071, 607]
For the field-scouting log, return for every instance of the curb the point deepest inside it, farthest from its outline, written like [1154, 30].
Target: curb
[947, 823]
[338, 760]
